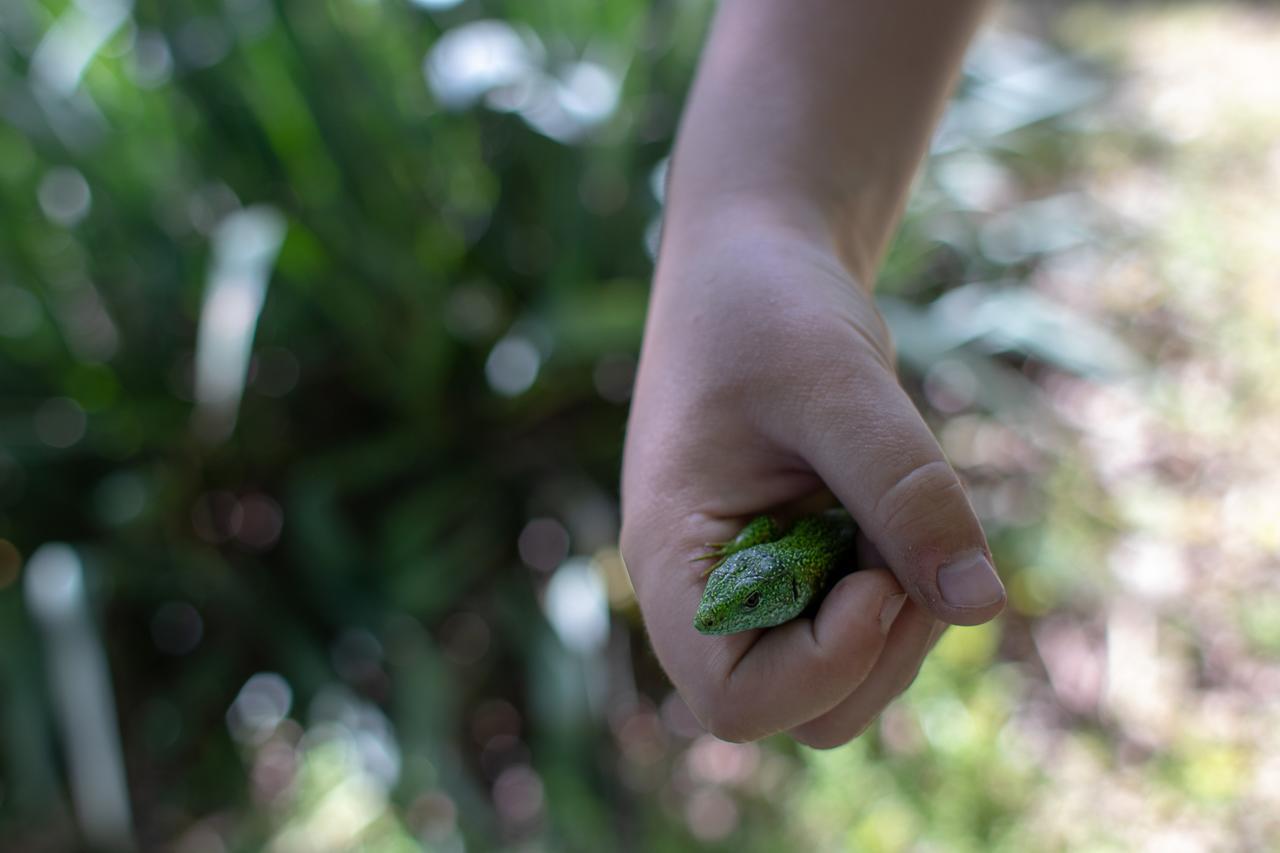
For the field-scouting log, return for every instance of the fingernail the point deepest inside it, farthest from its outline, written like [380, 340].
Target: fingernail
[889, 611]
[970, 581]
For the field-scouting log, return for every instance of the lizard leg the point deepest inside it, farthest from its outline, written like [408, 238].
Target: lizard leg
[760, 530]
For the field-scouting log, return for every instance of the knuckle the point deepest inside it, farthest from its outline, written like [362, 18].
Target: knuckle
[923, 493]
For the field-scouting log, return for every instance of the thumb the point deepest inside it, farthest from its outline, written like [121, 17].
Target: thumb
[873, 450]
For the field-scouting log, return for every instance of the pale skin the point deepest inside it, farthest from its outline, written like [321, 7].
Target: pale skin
[766, 378]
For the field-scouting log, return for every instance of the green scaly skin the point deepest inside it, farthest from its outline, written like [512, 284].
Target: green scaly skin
[763, 577]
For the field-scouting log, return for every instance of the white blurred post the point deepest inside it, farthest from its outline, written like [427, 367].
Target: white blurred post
[82, 696]
[245, 246]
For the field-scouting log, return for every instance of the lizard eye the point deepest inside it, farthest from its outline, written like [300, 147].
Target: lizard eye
[752, 600]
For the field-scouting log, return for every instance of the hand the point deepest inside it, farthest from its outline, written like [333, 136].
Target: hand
[766, 378]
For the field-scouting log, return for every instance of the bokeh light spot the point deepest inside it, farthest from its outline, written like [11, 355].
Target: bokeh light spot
[589, 92]
[711, 814]
[151, 62]
[203, 41]
[262, 703]
[465, 637]
[471, 59]
[577, 606]
[641, 736]
[433, 816]
[472, 311]
[720, 762]
[60, 422]
[261, 521]
[435, 5]
[543, 544]
[90, 332]
[493, 718]
[950, 386]
[64, 195]
[512, 366]
[500, 752]
[176, 628]
[274, 767]
[518, 794]
[120, 498]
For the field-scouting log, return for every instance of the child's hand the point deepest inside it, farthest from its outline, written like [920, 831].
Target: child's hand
[766, 378]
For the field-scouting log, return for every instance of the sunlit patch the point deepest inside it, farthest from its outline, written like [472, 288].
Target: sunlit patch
[327, 785]
[577, 606]
[471, 59]
[974, 180]
[338, 715]
[588, 92]
[80, 32]
[507, 68]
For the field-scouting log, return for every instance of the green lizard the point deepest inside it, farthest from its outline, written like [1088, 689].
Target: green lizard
[764, 577]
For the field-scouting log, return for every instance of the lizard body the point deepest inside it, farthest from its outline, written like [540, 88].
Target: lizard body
[765, 576]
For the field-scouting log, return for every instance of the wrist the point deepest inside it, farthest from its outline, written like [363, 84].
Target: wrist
[702, 224]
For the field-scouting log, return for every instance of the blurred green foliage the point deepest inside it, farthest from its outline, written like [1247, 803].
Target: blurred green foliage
[386, 611]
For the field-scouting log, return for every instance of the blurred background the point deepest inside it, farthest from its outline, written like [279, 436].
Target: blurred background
[318, 323]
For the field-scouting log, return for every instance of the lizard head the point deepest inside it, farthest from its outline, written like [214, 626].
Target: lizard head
[751, 589]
